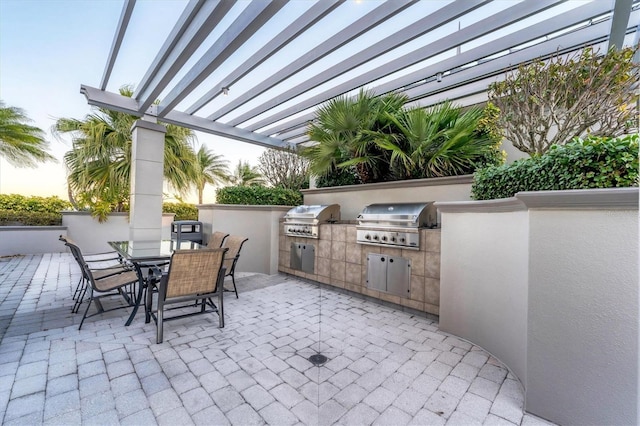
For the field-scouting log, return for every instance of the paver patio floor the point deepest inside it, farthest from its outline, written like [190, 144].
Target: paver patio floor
[385, 367]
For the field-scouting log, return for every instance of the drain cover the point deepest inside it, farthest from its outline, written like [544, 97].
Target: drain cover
[318, 359]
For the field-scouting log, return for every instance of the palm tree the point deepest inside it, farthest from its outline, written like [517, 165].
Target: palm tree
[210, 169]
[439, 141]
[346, 130]
[245, 175]
[21, 145]
[99, 165]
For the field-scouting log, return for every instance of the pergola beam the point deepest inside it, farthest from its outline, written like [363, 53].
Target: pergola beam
[193, 27]
[430, 22]
[476, 79]
[372, 19]
[123, 23]
[499, 20]
[289, 33]
[619, 23]
[117, 102]
[252, 18]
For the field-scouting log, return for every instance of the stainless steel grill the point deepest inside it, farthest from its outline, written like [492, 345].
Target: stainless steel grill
[395, 224]
[304, 221]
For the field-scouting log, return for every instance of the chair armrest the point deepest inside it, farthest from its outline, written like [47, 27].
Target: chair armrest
[101, 273]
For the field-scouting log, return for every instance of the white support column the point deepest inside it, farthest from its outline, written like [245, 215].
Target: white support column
[147, 172]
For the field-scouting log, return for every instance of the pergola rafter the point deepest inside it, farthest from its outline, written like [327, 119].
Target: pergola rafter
[273, 108]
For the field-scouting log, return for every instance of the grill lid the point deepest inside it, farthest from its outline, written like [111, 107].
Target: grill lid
[410, 215]
[318, 213]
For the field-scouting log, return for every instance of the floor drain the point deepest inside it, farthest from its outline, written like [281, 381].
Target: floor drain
[318, 359]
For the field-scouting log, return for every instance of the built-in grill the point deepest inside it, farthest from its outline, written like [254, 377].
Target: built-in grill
[304, 221]
[395, 224]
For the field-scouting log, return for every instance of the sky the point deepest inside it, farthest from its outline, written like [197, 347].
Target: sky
[48, 48]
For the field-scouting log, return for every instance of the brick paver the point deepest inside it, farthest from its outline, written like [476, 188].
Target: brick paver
[385, 366]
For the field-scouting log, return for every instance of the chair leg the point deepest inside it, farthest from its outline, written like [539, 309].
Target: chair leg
[86, 310]
[148, 303]
[233, 280]
[160, 319]
[78, 288]
[221, 307]
[79, 299]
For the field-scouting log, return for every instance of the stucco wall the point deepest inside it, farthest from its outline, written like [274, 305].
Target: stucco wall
[353, 198]
[583, 316]
[16, 240]
[483, 287]
[258, 223]
[92, 236]
[576, 255]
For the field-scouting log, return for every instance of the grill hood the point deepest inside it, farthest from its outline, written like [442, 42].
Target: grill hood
[317, 213]
[399, 215]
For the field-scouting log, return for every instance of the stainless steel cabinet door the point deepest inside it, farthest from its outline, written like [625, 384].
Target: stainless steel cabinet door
[399, 276]
[390, 274]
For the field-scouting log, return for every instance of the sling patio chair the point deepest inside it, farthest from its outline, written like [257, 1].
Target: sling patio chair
[193, 276]
[101, 264]
[106, 282]
[234, 243]
[216, 240]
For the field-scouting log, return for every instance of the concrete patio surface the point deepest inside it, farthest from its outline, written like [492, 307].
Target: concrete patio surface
[386, 366]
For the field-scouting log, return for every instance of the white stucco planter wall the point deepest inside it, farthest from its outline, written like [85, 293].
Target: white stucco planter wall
[484, 263]
[92, 236]
[353, 198]
[258, 223]
[548, 283]
[17, 240]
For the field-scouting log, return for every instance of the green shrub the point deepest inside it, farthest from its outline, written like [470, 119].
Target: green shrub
[591, 163]
[29, 218]
[258, 195]
[183, 211]
[339, 177]
[16, 202]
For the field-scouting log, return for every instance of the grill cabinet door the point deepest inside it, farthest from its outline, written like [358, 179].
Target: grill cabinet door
[398, 276]
[308, 258]
[377, 271]
[295, 262]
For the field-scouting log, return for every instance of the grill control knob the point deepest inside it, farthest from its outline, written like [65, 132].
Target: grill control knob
[375, 237]
[393, 239]
[367, 237]
[402, 240]
[384, 238]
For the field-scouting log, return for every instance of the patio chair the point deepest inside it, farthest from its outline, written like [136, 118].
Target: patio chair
[193, 275]
[234, 243]
[114, 265]
[216, 240]
[105, 282]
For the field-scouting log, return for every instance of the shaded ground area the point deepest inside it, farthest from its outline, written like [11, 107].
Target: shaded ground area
[385, 366]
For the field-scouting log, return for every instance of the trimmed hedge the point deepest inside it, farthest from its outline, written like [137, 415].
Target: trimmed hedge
[27, 218]
[258, 195]
[20, 210]
[580, 164]
[22, 203]
[183, 211]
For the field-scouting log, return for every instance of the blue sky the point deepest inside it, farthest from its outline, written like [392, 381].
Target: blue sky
[48, 48]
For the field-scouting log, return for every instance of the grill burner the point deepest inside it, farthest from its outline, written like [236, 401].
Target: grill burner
[395, 225]
[303, 221]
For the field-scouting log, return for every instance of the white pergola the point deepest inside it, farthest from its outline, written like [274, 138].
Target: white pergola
[254, 71]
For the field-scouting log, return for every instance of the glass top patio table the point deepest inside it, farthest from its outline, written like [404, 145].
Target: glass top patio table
[145, 251]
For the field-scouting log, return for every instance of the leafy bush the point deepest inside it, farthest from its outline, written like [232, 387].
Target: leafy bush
[29, 218]
[591, 163]
[339, 177]
[21, 203]
[183, 211]
[258, 195]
